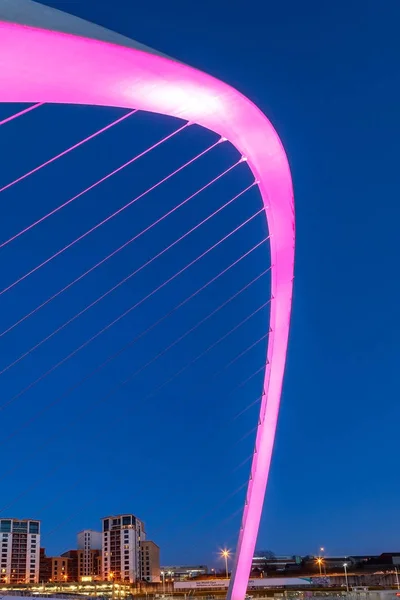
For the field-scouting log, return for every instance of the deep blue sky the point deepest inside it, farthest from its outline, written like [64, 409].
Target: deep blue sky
[327, 76]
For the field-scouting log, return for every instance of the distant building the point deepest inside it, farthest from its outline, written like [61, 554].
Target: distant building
[89, 545]
[75, 560]
[122, 535]
[265, 562]
[68, 567]
[182, 573]
[44, 567]
[55, 568]
[150, 561]
[20, 551]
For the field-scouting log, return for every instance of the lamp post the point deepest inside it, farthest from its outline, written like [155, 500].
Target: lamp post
[319, 562]
[345, 574]
[321, 554]
[111, 577]
[163, 581]
[225, 554]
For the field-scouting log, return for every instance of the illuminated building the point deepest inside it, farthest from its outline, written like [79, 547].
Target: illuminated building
[122, 535]
[181, 573]
[150, 561]
[89, 542]
[20, 551]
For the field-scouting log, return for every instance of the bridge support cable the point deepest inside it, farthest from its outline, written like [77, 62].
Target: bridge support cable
[119, 249]
[248, 406]
[221, 339]
[188, 527]
[95, 336]
[127, 380]
[207, 513]
[248, 349]
[127, 278]
[20, 113]
[60, 155]
[262, 368]
[107, 219]
[131, 343]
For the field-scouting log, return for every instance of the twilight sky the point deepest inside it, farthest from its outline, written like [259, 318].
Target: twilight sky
[326, 76]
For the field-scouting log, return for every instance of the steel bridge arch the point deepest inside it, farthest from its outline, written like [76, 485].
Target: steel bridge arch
[50, 56]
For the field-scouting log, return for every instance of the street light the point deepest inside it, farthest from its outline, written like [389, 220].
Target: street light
[163, 581]
[319, 562]
[345, 574]
[226, 554]
[321, 551]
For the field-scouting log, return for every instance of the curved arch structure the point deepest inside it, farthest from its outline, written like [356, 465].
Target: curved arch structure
[49, 56]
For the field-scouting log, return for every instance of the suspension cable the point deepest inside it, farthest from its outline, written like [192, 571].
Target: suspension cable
[119, 249]
[237, 357]
[127, 278]
[120, 210]
[60, 155]
[151, 394]
[220, 340]
[131, 343]
[19, 394]
[22, 112]
[249, 378]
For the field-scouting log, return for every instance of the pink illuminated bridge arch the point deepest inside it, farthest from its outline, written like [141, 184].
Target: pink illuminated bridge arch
[50, 56]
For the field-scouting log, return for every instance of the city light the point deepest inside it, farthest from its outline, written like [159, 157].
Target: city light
[226, 554]
[319, 563]
[345, 575]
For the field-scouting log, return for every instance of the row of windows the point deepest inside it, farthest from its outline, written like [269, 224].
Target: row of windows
[6, 525]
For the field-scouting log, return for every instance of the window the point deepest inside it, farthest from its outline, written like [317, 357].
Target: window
[34, 527]
[126, 520]
[106, 524]
[5, 525]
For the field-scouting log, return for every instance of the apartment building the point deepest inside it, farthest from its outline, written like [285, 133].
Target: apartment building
[122, 535]
[89, 550]
[150, 561]
[20, 551]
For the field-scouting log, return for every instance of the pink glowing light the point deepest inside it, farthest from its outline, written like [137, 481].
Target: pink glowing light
[45, 65]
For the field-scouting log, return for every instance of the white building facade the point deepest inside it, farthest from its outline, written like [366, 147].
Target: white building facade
[20, 551]
[89, 540]
[122, 535]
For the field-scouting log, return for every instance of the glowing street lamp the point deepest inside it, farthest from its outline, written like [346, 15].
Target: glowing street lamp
[319, 563]
[163, 581]
[345, 574]
[321, 552]
[226, 554]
